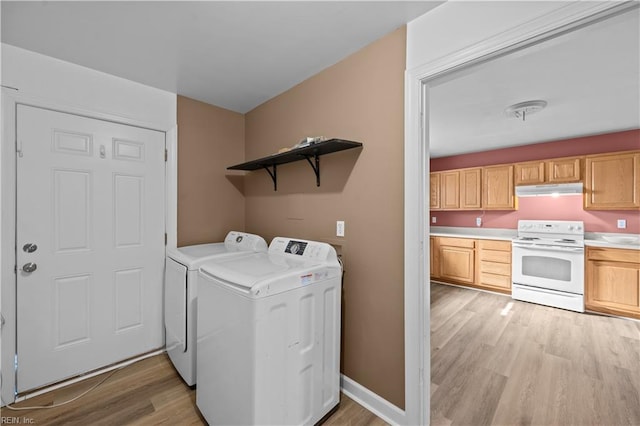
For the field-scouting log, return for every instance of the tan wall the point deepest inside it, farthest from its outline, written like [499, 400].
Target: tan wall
[210, 203]
[360, 99]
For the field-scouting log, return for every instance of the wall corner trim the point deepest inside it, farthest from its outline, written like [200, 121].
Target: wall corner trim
[372, 401]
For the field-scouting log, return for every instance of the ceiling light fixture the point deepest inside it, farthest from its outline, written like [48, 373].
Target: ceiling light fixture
[523, 109]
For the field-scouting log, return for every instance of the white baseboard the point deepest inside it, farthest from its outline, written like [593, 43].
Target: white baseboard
[372, 402]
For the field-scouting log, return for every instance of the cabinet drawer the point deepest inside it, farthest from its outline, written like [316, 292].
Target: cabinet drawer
[494, 280]
[496, 268]
[495, 256]
[457, 242]
[614, 255]
[495, 245]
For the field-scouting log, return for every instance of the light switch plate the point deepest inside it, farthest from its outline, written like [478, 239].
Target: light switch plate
[340, 228]
[622, 223]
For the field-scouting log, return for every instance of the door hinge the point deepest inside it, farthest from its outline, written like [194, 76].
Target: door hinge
[166, 155]
[165, 238]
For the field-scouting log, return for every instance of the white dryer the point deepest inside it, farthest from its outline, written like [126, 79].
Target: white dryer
[181, 275]
[269, 336]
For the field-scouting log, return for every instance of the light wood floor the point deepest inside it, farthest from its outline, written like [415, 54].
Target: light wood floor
[149, 392]
[535, 365]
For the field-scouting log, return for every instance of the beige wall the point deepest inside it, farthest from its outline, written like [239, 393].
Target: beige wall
[210, 202]
[360, 99]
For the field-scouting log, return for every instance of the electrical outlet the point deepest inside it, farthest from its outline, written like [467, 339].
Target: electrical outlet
[478, 221]
[622, 223]
[433, 219]
[340, 228]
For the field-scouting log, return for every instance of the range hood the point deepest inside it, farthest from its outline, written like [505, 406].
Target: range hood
[552, 190]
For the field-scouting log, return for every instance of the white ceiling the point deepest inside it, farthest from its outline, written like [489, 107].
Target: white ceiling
[236, 55]
[590, 79]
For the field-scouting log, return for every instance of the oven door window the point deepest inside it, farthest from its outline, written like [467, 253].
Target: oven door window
[546, 267]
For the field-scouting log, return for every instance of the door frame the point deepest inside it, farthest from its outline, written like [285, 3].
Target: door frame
[567, 17]
[10, 98]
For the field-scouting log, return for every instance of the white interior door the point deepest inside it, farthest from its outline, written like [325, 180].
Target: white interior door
[90, 196]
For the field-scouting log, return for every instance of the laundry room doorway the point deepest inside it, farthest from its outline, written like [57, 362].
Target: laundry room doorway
[90, 244]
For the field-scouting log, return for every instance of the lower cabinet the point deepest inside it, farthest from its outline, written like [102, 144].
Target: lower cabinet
[613, 281]
[475, 263]
[494, 265]
[457, 260]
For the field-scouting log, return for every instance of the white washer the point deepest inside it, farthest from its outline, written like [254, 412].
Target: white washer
[181, 275]
[269, 336]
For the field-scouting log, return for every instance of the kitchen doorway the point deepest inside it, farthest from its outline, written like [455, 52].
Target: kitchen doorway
[419, 93]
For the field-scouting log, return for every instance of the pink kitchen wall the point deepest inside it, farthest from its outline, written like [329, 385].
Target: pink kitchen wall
[543, 208]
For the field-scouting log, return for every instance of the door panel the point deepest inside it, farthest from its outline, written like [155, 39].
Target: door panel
[90, 195]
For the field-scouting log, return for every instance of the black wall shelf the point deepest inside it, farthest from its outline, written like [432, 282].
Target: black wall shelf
[311, 153]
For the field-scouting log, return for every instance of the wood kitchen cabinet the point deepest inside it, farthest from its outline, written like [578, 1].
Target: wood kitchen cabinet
[612, 283]
[471, 188]
[458, 189]
[530, 173]
[457, 260]
[498, 188]
[564, 170]
[450, 190]
[494, 265]
[434, 186]
[559, 170]
[434, 257]
[612, 181]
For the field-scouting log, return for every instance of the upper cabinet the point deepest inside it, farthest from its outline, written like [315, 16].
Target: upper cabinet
[471, 188]
[530, 173]
[560, 170]
[434, 185]
[612, 181]
[456, 189]
[450, 190]
[498, 188]
[563, 170]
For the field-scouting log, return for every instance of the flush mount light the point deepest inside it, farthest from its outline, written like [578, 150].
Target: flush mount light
[524, 109]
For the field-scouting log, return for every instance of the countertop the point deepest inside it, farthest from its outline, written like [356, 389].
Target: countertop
[592, 239]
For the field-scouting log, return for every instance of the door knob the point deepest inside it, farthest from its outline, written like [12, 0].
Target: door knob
[29, 267]
[29, 248]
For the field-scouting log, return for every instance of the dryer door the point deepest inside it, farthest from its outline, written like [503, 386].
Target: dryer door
[175, 306]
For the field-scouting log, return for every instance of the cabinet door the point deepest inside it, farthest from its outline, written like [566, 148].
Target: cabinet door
[434, 185]
[612, 181]
[531, 173]
[450, 190]
[470, 188]
[434, 257]
[457, 264]
[564, 170]
[497, 188]
[613, 287]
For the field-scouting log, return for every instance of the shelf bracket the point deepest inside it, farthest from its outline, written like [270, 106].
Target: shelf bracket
[273, 175]
[315, 167]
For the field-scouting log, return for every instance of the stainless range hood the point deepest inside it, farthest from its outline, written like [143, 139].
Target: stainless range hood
[552, 190]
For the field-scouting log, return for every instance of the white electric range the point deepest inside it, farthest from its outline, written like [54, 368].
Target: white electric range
[548, 263]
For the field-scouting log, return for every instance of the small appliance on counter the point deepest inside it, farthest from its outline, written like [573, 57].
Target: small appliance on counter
[548, 263]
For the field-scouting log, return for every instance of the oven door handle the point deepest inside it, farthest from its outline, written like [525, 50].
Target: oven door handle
[544, 247]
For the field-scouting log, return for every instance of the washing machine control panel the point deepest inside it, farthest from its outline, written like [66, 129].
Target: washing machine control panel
[296, 247]
[306, 249]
